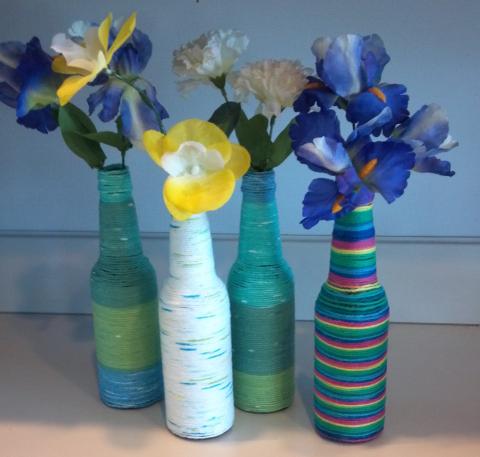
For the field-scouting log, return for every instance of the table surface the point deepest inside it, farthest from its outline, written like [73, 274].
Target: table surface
[49, 405]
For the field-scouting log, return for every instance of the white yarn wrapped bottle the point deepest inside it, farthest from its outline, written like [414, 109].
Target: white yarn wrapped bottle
[195, 336]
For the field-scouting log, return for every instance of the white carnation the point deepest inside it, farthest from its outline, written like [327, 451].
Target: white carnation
[210, 56]
[275, 84]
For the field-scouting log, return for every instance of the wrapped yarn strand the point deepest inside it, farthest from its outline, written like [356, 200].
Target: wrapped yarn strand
[351, 330]
[195, 335]
[125, 303]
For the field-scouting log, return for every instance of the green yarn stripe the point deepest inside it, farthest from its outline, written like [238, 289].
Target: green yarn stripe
[127, 339]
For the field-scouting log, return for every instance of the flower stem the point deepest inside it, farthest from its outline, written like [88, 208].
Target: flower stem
[224, 94]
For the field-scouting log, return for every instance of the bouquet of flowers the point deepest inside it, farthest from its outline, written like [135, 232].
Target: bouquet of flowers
[385, 142]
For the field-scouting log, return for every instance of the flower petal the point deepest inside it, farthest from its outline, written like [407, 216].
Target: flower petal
[71, 86]
[123, 35]
[434, 165]
[154, 143]
[318, 202]
[176, 212]
[199, 194]
[11, 52]
[110, 96]
[206, 133]
[104, 32]
[239, 162]
[392, 162]
[59, 65]
[324, 155]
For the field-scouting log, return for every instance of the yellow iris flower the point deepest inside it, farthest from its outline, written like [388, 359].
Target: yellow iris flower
[85, 61]
[202, 163]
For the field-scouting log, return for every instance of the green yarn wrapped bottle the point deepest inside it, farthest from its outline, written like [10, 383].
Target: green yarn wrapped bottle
[125, 301]
[261, 292]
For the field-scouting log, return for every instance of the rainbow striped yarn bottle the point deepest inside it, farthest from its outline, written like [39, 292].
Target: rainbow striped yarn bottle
[195, 333]
[125, 306]
[261, 292]
[351, 329]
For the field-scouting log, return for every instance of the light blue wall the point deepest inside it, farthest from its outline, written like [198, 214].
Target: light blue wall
[434, 45]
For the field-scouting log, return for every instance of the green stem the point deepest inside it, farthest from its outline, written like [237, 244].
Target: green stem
[224, 94]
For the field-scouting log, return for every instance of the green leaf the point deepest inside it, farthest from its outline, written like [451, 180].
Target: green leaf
[252, 135]
[116, 140]
[282, 147]
[74, 124]
[226, 116]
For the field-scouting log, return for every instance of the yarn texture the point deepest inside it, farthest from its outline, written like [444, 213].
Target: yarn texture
[195, 335]
[351, 330]
[261, 292]
[125, 305]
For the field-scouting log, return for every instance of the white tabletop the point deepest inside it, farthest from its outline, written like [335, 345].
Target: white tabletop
[49, 405]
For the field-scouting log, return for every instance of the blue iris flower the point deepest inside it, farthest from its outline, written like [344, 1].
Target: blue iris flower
[349, 70]
[132, 97]
[28, 84]
[427, 132]
[360, 167]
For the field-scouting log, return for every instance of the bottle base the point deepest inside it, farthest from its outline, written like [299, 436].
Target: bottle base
[130, 390]
[263, 393]
[198, 434]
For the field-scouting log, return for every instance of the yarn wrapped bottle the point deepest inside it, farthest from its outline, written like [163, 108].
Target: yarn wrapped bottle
[195, 336]
[351, 330]
[261, 292]
[125, 301]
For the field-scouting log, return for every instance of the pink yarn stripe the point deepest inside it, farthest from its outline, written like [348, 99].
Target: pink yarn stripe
[354, 245]
[341, 281]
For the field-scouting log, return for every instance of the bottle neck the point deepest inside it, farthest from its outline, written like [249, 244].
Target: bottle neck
[353, 251]
[119, 233]
[259, 229]
[191, 253]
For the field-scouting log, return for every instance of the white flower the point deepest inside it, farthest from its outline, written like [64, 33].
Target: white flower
[210, 56]
[275, 84]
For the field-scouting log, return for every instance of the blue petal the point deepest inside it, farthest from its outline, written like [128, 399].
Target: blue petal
[38, 82]
[397, 101]
[428, 125]
[364, 130]
[315, 93]
[306, 127]
[342, 65]
[318, 202]
[324, 155]
[394, 162]
[44, 120]
[137, 116]
[109, 96]
[11, 52]
[374, 59]
[133, 56]
[434, 165]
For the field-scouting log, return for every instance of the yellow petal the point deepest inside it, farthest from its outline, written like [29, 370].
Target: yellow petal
[200, 193]
[206, 133]
[154, 144]
[239, 162]
[59, 65]
[104, 32]
[123, 35]
[176, 213]
[71, 86]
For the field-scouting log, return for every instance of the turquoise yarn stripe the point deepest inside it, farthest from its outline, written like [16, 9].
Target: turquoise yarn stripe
[261, 292]
[125, 301]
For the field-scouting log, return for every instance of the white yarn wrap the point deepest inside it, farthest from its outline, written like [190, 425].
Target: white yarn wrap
[195, 335]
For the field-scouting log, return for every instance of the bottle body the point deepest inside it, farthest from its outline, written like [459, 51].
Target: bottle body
[261, 291]
[351, 332]
[125, 302]
[195, 336]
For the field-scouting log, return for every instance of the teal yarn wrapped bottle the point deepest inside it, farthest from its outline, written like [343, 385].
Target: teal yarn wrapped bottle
[261, 291]
[351, 331]
[125, 301]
